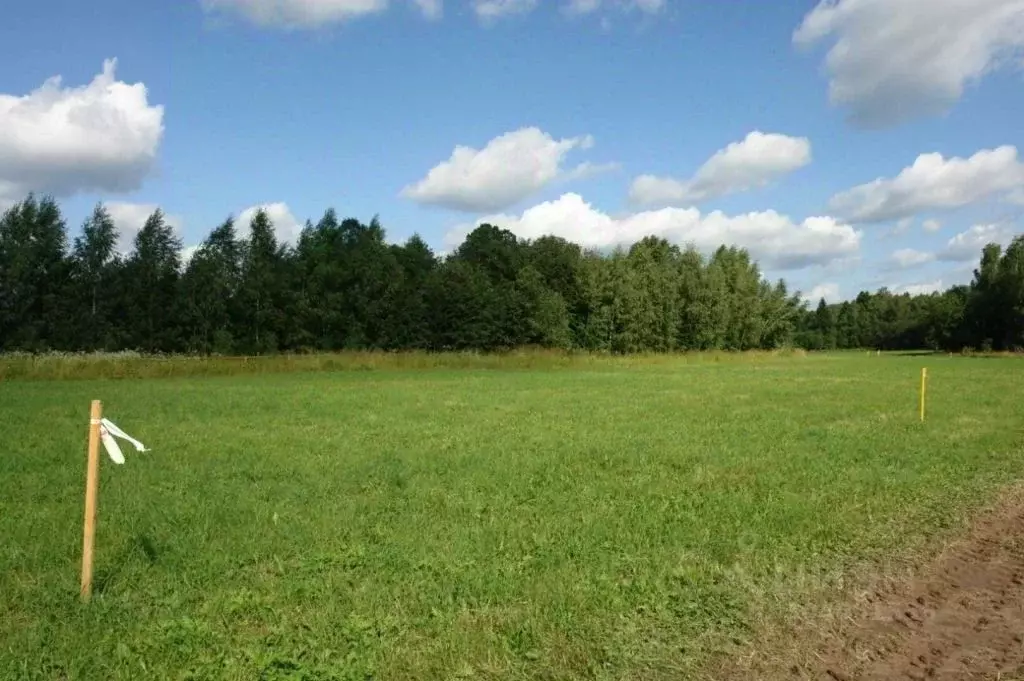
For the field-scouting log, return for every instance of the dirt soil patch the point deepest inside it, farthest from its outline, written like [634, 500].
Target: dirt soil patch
[959, 617]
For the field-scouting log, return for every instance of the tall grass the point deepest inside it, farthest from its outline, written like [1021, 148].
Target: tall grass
[120, 365]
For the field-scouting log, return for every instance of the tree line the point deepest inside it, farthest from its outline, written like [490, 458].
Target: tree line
[985, 315]
[343, 286]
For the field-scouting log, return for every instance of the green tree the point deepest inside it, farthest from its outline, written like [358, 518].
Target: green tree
[654, 266]
[344, 286]
[716, 308]
[353, 284]
[151, 280]
[372, 283]
[320, 271]
[779, 312]
[598, 328]
[96, 267]
[983, 303]
[210, 287]
[824, 326]
[543, 313]
[35, 277]
[847, 330]
[498, 252]
[694, 300]
[407, 324]
[1010, 297]
[560, 265]
[945, 322]
[463, 308]
[262, 274]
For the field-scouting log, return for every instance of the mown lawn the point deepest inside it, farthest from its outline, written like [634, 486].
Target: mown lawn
[603, 522]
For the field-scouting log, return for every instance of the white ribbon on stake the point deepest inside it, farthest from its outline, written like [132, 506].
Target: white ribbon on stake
[108, 431]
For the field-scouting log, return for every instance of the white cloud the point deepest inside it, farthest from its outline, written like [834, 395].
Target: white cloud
[187, 253]
[308, 14]
[286, 227]
[967, 245]
[431, 9]
[489, 10]
[893, 60]
[773, 239]
[103, 136]
[909, 257]
[931, 225]
[508, 169]
[129, 219]
[829, 291]
[903, 225]
[297, 13]
[933, 183]
[580, 7]
[588, 169]
[648, 6]
[753, 162]
[922, 288]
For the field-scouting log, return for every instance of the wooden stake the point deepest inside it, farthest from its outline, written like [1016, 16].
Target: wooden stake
[92, 480]
[924, 386]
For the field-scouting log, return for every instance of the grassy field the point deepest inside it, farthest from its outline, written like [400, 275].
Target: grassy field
[600, 520]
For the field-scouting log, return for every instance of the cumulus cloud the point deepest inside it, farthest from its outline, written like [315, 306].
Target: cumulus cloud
[892, 60]
[103, 136]
[967, 245]
[933, 183]
[773, 239]
[297, 13]
[129, 219]
[964, 247]
[828, 290]
[757, 160]
[507, 170]
[931, 225]
[286, 227]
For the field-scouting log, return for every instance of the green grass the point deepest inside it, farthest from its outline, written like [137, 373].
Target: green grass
[605, 520]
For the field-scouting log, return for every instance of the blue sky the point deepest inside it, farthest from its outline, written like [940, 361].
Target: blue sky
[848, 144]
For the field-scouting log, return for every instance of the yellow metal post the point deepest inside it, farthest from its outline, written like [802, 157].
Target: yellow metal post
[924, 388]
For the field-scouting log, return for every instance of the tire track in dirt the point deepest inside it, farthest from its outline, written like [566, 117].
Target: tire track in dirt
[959, 617]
